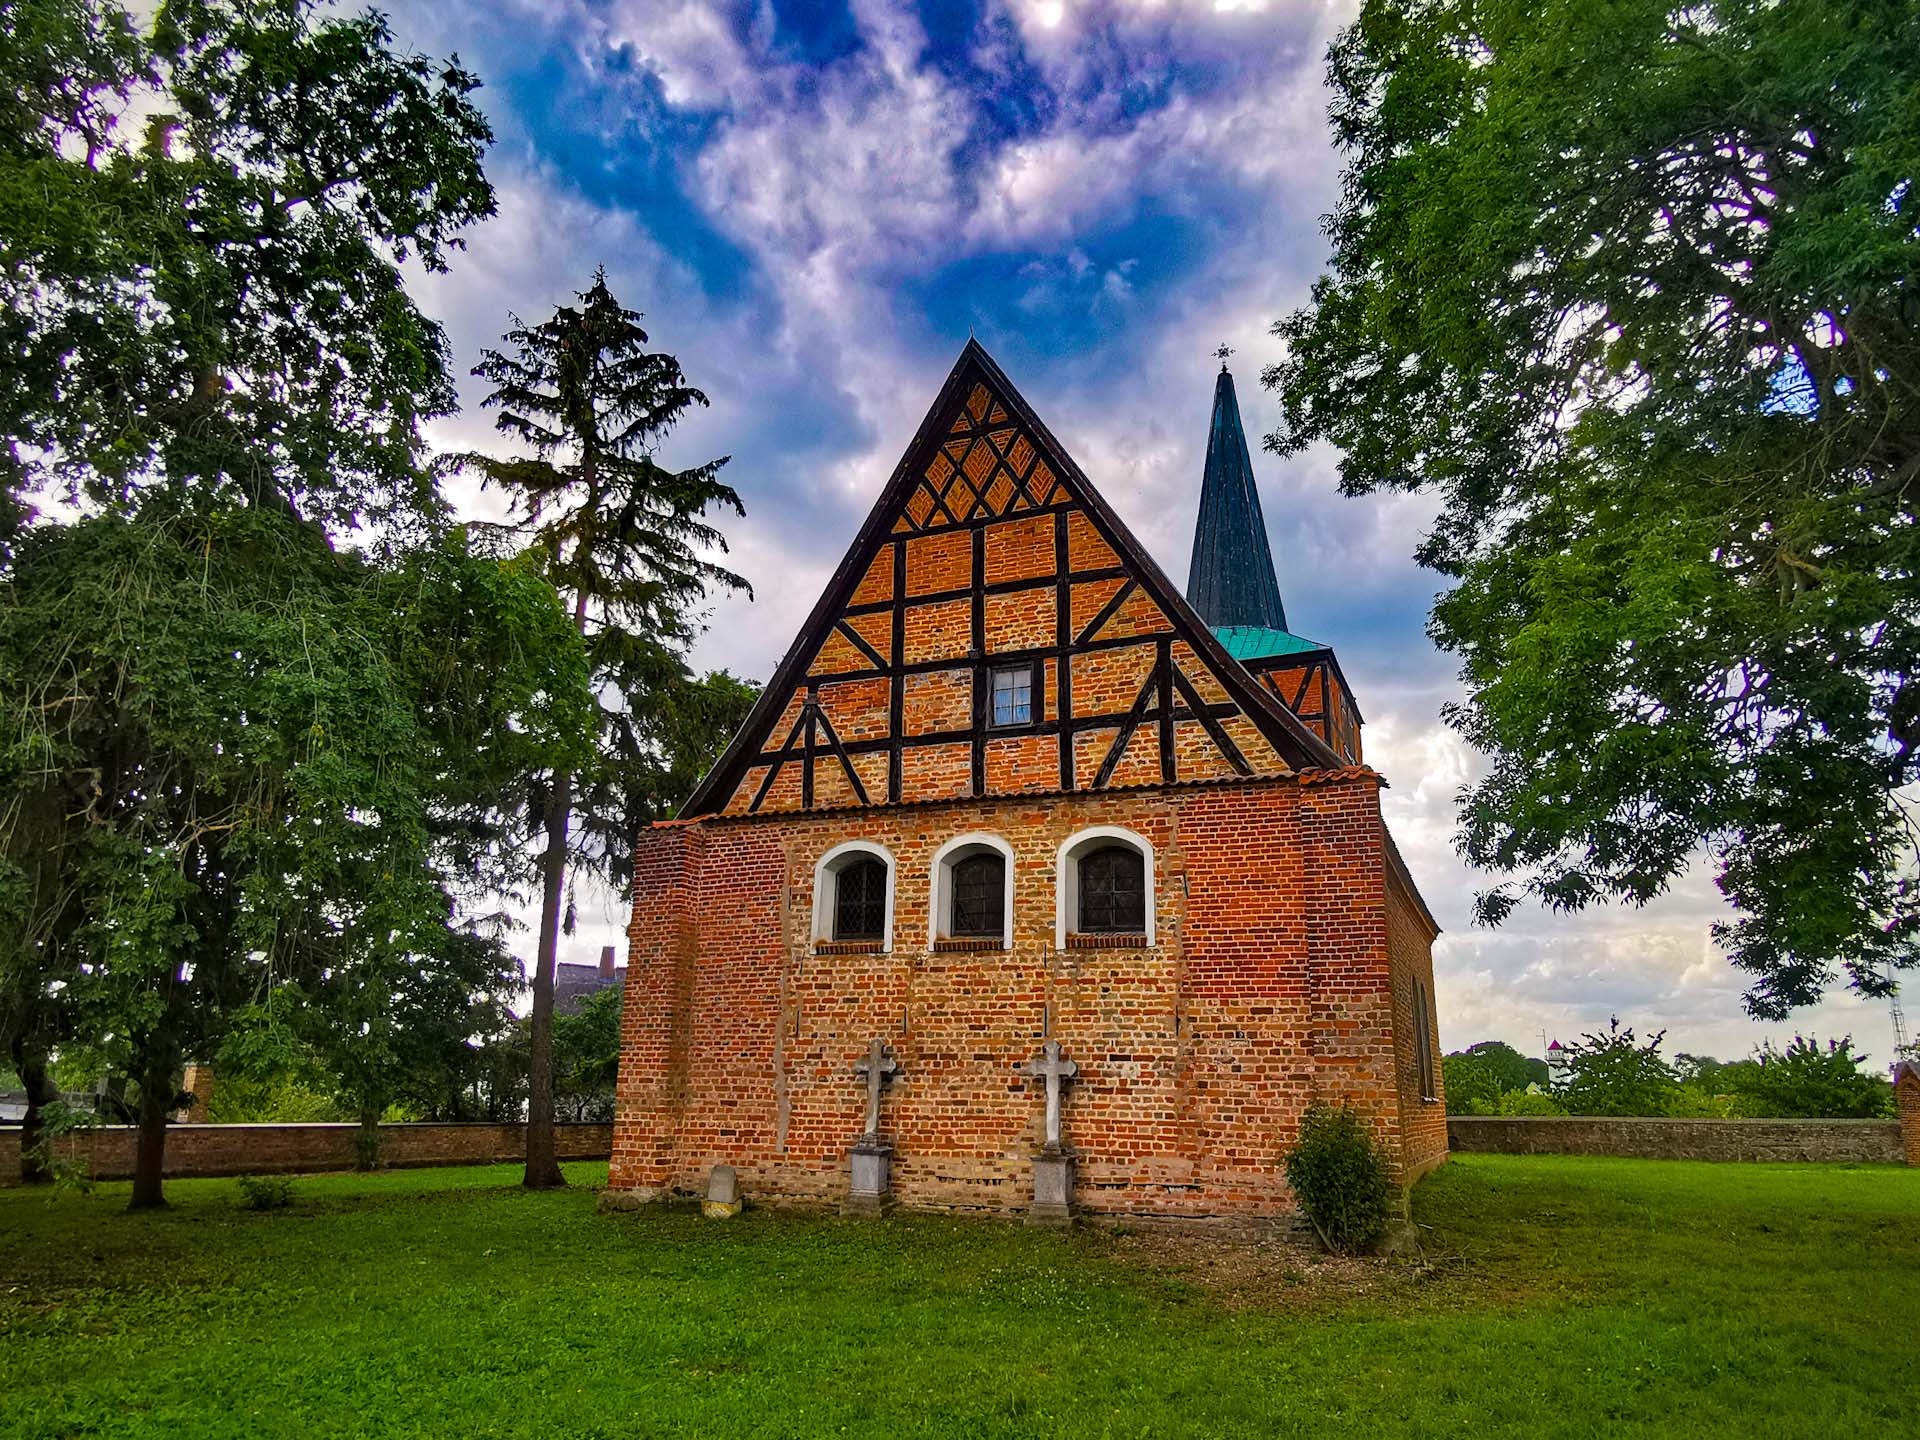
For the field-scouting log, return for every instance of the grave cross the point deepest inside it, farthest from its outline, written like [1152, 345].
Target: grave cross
[877, 1068]
[1051, 1068]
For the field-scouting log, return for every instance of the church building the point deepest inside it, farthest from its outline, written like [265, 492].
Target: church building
[1030, 884]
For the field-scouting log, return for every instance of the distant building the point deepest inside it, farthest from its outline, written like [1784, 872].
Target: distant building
[1559, 1062]
[572, 984]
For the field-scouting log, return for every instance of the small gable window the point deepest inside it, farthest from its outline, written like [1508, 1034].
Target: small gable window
[1012, 696]
[853, 898]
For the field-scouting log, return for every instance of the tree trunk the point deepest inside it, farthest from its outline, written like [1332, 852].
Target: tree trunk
[31, 1064]
[366, 1141]
[157, 1096]
[543, 1166]
[543, 1169]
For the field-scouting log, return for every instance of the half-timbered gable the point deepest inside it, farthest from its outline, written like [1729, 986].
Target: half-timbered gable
[1029, 883]
[996, 630]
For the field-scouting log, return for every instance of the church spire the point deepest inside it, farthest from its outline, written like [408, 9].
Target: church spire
[1230, 580]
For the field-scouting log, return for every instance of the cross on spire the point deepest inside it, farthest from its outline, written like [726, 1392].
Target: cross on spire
[1222, 353]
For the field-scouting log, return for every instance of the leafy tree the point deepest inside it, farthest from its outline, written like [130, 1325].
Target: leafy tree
[1701, 1070]
[586, 1055]
[1471, 1084]
[241, 756]
[1510, 1069]
[624, 539]
[261, 766]
[1630, 289]
[1811, 1080]
[1613, 1074]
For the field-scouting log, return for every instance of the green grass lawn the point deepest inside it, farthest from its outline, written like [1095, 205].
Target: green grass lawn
[1566, 1297]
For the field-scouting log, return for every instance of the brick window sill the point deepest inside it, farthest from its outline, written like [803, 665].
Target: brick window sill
[958, 944]
[1106, 942]
[848, 947]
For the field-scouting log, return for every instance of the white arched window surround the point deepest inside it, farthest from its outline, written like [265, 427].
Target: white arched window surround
[827, 870]
[1066, 875]
[940, 906]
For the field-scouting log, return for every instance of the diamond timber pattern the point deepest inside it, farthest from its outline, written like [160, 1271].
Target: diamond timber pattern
[988, 548]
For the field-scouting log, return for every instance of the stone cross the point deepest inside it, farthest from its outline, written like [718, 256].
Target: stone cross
[878, 1068]
[1051, 1068]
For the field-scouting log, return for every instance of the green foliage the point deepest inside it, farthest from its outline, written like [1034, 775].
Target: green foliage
[1613, 1074]
[1471, 1085]
[1510, 1069]
[266, 1192]
[1629, 289]
[205, 219]
[586, 1055]
[1638, 1300]
[1810, 1080]
[1339, 1176]
[242, 1100]
[1528, 1102]
[624, 537]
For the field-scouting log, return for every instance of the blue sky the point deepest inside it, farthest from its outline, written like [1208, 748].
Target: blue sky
[815, 201]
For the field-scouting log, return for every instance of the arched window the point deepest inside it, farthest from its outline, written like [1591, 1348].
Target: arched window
[853, 897]
[1113, 892]
[1104, 890]
[972, 900]
[860, 901]
[979, 889]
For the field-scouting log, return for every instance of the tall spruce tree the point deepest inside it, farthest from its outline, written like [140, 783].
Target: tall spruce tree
[1631, 290]
[623, 538]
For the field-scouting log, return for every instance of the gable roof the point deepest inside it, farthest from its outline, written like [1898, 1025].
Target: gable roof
[1292, 740]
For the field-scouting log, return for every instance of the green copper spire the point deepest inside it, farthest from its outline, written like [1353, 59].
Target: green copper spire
[1230, 581]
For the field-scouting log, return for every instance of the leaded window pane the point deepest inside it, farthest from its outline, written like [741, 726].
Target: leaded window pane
[1013, 696]
[860, 901]
[979, 895]
[1113, 892]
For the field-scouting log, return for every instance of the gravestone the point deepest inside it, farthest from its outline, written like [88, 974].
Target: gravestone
[723, 1200]
[870, 1192]
[1053, 1167]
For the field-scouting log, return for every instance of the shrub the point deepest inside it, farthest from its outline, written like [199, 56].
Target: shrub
[1613, 1074]
[1530, 1102]
[1340, 1178]
[1811, 1081]
[266, 1192]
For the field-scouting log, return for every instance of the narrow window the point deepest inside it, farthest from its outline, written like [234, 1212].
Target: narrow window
[1012, 696]
[860, 901]
[979, 896]
[1423, 1040]
[1113, 891]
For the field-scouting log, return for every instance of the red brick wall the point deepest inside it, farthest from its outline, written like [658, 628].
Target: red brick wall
[1423, 1121]
[196, 1150]
[1906, 1089]
[1269, 985]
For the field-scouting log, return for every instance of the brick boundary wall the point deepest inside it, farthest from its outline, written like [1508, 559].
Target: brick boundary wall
[1647, 1138]
[209, 1150]
[1906, 1090]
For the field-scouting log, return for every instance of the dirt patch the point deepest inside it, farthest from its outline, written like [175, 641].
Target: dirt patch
[1283, 1270]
